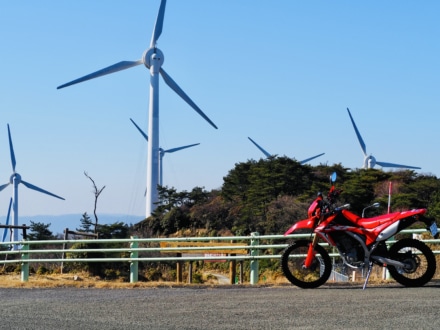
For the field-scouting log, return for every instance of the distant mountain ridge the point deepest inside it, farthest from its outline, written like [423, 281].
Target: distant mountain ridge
[72, 221]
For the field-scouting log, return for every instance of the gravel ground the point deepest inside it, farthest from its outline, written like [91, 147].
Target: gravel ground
[223, 307]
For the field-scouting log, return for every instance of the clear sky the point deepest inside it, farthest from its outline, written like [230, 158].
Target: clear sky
[282, 72]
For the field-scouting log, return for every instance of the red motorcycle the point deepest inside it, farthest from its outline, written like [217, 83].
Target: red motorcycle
[360, 242]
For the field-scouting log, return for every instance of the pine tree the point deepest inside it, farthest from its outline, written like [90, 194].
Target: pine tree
[40, 231]
[86, 223]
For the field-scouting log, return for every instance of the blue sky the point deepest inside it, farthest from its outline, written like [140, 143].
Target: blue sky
[282, 72]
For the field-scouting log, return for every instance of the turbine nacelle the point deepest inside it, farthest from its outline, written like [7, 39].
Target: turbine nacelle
[369, 162]
[152, 55]
[15, 177]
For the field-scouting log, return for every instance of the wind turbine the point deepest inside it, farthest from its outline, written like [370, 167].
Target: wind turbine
[162, 152]
[369, 160]
[268, 155]
[15, 180]
[153, 59]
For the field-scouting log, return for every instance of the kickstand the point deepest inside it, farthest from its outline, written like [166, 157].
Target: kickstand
[370, 267]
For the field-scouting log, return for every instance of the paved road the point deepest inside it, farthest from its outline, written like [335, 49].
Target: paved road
[225, 307]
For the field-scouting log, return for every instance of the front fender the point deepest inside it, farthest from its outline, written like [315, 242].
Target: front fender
[301, 224]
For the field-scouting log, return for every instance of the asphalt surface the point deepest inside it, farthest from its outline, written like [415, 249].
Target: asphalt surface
[224, 307]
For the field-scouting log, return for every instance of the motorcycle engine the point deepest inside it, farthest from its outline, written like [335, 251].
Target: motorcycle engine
[349, 248]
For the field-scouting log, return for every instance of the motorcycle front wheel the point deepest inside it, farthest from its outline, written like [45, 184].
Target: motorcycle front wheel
[292, 264]
[419, 260]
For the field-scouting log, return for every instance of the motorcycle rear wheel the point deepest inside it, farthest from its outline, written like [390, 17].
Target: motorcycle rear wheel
[420, 259]
[292, 264]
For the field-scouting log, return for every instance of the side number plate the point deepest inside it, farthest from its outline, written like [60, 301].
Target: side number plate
[433, 229]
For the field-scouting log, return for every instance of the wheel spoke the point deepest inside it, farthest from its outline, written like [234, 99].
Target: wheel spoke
[305, 277]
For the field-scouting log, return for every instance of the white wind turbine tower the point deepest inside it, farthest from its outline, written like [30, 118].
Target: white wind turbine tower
[153, 59]
[268, 155]
[369, 160]
[15, 180]
[162, 152]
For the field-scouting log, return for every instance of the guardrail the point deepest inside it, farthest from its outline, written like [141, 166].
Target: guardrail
[250, 243]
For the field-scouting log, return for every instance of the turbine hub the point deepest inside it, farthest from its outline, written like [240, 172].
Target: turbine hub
[153, 57]
[15, 177]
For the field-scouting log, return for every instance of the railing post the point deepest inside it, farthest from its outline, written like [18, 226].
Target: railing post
[254, 262]
[24, 263]
[134, 264]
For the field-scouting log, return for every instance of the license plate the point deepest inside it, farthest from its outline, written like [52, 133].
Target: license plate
[433, 229]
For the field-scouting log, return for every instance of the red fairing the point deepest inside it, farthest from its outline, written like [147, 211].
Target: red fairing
[314, 208]
[374, 222]
[302, 224]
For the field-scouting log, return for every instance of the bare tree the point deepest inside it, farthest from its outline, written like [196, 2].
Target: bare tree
[97, 192]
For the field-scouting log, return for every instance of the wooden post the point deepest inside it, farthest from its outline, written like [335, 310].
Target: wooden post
[179, 269]
[232, 270]
[66, 236]
[190, 272]
[24, 232]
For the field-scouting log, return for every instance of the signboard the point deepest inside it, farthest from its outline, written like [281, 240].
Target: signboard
[207, 255]
[204, 247]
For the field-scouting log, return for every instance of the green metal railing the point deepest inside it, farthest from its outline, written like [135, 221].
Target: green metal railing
[27, 250]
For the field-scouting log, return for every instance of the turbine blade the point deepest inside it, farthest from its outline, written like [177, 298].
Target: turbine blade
[268, 155]
[362, 143]
[384, 164]
[4, 186]
[170, 82]
[309, 159]
[11, 148]
[139, 129]
[7, 220]
[158, 25]
[180, 148]
[110, 69]
[31, 186]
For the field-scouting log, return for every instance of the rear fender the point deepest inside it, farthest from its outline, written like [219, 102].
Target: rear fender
[301, 224]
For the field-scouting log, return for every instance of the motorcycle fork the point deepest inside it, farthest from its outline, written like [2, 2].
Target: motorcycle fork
[311, 252]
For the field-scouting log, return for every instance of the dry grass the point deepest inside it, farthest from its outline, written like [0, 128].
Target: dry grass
[74, 281]
[85, 281]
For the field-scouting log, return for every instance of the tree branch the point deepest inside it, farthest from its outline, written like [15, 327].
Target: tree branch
[97, 192]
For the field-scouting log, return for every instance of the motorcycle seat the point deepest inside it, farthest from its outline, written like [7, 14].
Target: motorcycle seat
[369, 223]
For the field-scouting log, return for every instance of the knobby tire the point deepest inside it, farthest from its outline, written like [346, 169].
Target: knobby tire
[293, 268]
[426, 264]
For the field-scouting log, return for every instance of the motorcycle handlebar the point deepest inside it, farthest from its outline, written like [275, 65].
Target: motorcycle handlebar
[343, 207]
[336, 209]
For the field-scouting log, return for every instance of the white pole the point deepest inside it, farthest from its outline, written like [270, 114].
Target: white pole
[15, 182]
[389, 196]
[155, 61]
